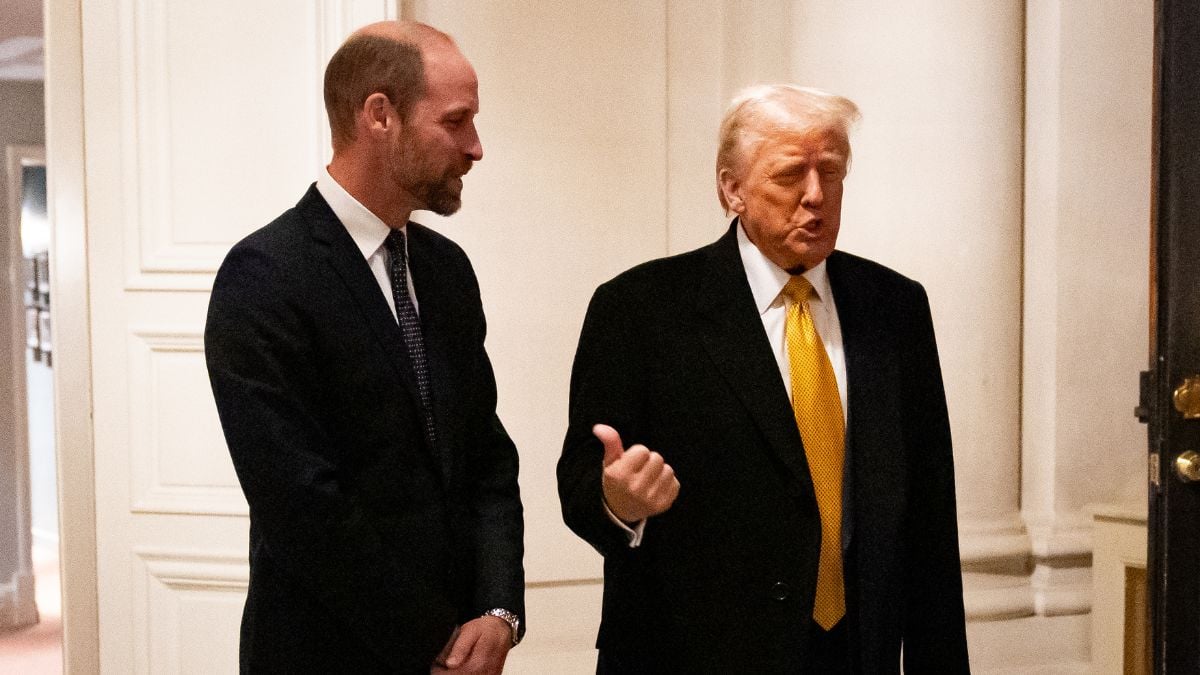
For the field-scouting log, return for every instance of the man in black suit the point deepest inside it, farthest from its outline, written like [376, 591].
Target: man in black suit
[345, 346]
[758, 441]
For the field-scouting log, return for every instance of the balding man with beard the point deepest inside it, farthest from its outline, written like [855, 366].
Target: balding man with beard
[345, 346]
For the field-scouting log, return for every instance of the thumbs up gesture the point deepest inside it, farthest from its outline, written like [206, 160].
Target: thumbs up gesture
[637, 482]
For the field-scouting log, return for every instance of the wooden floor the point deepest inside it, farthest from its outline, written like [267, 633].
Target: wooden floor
[37, 649]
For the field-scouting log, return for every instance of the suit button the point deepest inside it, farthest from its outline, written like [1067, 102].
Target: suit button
[780, 591]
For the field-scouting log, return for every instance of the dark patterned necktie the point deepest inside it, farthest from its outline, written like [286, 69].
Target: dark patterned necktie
[410, 326]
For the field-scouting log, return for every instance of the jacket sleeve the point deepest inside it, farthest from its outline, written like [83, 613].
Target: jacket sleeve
[496, 511]
[935, 630]
[604, 390]
[314, 528]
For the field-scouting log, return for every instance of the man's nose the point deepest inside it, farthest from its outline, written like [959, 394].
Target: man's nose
[474, 147]
[812, 196]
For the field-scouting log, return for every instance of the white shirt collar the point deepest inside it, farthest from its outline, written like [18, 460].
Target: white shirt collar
[768, 279]
[367, 230]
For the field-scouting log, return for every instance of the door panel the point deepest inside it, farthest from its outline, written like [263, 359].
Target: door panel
[1175, 500]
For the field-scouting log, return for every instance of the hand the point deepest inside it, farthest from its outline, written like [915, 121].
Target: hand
[479, 646]
[637, 483]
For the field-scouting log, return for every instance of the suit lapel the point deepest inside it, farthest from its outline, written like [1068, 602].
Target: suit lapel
[337, 247]
[734, 338]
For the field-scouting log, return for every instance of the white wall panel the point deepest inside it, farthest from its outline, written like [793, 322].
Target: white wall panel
[223, 124]
[178, 461]
[190, 611]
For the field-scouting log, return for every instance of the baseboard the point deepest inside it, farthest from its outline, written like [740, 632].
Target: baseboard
[1034, 644]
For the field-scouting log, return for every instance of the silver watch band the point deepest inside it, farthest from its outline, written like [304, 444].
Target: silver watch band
[514, 622]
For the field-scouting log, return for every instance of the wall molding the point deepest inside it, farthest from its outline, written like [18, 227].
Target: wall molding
[179, 593]
[1062, 558]
[997, 598]
[157, 256]
[195, 569]
[1014, 567]
[149, 443]
[984, 541]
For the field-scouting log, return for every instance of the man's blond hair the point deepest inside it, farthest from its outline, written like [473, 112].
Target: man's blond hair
[757, 110]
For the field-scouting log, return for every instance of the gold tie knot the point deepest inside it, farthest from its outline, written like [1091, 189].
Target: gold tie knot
[798, 289]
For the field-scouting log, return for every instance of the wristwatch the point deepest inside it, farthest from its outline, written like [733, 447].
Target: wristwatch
[514, 622]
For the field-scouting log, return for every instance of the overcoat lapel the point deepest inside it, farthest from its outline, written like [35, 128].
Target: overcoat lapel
[733, 335]
[872, 424]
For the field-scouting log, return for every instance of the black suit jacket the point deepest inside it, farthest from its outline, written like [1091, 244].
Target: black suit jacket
[367, 546]
[674, 356]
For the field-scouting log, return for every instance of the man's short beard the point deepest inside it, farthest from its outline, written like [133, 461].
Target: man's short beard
[437, 195]
[441, 197]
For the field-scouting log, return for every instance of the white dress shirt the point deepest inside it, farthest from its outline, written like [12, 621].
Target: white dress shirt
[766, 283]
[368, 233]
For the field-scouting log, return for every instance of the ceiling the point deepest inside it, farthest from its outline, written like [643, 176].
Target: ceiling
[21, 40]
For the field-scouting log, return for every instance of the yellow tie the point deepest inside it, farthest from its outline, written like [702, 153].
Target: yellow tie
[818, 409]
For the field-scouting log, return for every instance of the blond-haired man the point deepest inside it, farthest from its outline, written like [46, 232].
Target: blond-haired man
[758, 441]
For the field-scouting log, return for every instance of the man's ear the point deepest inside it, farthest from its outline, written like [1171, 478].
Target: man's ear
[378, 115]
[730, 187]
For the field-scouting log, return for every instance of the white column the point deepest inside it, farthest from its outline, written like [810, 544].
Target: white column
[1086, 322]
[935, 192]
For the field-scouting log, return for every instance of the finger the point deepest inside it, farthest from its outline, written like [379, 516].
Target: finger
[489, 651]
[673, 492]
[658, 492]
[462, 647]
[645, 475]
[613, 448]
[631, 463]
[485, 658]
[653, 467]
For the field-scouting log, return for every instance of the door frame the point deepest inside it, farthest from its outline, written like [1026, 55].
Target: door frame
[66, 198]
[22, 604]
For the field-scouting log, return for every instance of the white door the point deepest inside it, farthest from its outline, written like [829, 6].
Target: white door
[203, 121]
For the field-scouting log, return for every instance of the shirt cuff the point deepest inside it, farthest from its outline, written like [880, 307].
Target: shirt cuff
[634, 533]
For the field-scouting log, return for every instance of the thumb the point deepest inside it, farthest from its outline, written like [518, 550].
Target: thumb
[613, 449]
